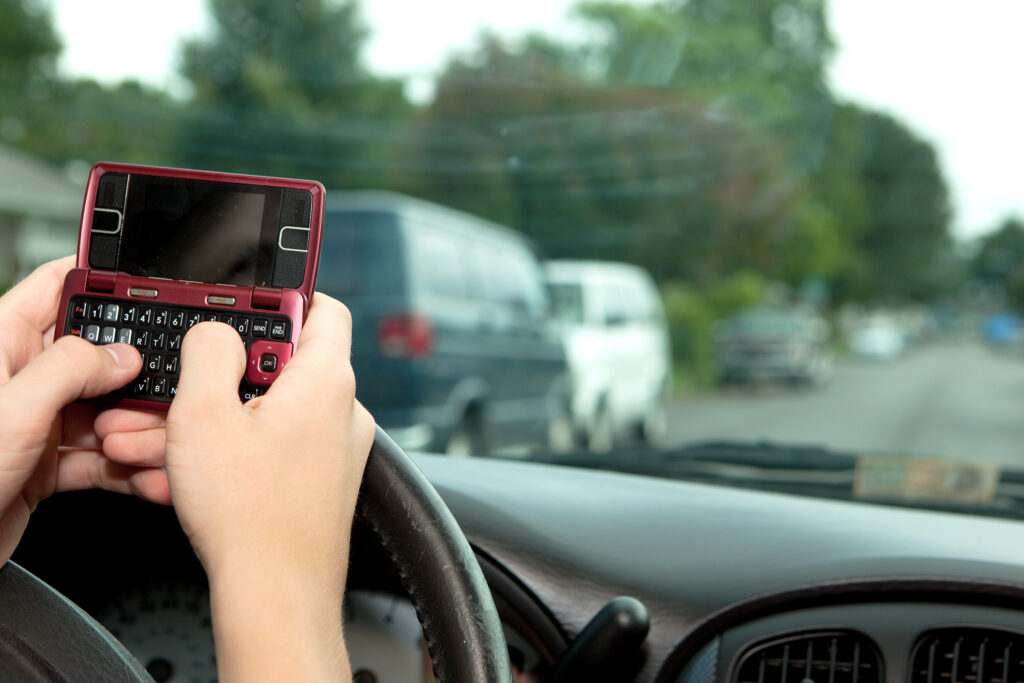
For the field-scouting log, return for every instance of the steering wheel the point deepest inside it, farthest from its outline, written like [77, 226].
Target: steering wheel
[45, 637]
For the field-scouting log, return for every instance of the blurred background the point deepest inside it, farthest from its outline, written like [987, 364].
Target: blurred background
[795, 220]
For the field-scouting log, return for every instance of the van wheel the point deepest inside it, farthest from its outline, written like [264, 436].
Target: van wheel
[654, 426]
[467, 440]
[561, 432]
[601, 437]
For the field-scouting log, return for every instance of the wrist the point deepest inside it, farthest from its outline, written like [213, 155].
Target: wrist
[273, 626]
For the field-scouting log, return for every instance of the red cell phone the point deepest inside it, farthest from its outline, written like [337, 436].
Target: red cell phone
[162, 249]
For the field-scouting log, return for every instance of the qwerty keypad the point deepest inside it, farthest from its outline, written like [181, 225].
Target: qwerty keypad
[156, 331]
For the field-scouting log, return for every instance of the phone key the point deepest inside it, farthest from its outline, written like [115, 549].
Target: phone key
[92, 333]
[111, 313]
[75, 330]
[95, 311]
[259, 327]
[249, 393]
[108, 335]
[174, 342]
[159, 386]
[142, 385]
[124, 336]
[278, 329]
[242, 325]
[78, 310]
[145, 316]
[227, 319]
[141, 339]
[172, 389]
[128, 315]
[193, 319]
[210, 317]
[155, 362]
[160, 318]
[177, 319]
[171, 365]
[157, 341]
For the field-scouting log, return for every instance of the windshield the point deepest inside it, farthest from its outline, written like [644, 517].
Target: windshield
[619, 230]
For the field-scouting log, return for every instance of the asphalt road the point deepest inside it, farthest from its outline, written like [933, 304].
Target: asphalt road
[953, 401]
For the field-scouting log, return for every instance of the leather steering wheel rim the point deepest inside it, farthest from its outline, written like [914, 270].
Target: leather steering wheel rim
[438, 569]
[46, 637]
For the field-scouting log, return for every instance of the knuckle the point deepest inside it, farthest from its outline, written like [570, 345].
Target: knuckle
[344, 378]
[73, 351]
[210, 334]
[333, 307]
[207, 332]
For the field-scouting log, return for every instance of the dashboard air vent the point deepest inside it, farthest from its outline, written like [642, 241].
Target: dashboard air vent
[812, 657]
[968, 655]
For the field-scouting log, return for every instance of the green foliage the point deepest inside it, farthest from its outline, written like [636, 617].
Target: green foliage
[999, 261]
[693, 312]
[280, 89]
[696, 138]
[28, 43]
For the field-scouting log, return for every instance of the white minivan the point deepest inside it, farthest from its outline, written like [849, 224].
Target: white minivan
[617, 348]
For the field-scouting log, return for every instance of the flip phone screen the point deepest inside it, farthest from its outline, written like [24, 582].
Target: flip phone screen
[200, 231]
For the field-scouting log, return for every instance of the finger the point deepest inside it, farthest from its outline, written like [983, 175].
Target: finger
[78, 429]
[35, 299]
[79, 469]
[69, 370]
[328, 321]
[323, 351]
[147, 448]
[126, 420]
[212, 364]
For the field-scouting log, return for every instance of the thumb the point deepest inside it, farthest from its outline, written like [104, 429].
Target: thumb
[70, 369]
[212, 364]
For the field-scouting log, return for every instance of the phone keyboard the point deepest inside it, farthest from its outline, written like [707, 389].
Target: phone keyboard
[156, 331]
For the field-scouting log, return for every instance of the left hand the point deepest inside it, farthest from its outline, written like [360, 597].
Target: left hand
[46, 444]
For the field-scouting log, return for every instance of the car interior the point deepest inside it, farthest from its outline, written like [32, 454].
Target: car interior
[818, 506]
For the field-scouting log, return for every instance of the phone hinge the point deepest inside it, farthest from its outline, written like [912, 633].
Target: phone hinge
[100, 281]
[266, 297]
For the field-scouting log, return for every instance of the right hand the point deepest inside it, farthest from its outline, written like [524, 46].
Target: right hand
[266, 492]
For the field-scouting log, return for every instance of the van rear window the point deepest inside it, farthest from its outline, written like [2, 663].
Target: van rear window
[360, 254]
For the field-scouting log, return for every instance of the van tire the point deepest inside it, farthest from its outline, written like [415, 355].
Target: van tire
[601, 435]
[468, 439]
[653, 428]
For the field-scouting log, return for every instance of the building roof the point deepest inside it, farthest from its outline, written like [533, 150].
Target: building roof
[31, 187]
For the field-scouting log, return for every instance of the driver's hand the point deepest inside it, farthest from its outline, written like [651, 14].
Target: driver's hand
[46, 444]
[266, 492]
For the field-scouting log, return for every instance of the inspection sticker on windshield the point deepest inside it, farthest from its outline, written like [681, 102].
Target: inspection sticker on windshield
[925, 480]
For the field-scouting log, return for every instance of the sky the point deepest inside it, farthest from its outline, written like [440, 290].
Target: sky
[949, 69]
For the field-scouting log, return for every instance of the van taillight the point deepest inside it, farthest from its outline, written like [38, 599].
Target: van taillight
[405, 336]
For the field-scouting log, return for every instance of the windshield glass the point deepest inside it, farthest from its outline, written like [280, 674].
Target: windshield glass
[601, 233]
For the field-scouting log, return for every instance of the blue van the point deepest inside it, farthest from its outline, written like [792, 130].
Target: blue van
[453, 347]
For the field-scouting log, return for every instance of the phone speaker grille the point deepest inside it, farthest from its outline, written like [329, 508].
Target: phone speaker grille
[296, 208]
[111, 191]
[289, 269]
[103, 251]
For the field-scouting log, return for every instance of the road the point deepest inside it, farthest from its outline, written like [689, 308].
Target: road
[954, 401]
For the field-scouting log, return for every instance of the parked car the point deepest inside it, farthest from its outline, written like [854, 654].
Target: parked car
[453, 345]
[617, 346]
[780, 344]
[877, 337]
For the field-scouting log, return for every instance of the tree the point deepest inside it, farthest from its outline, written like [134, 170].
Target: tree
[71, 119]
[999, 261]
[28, 44]
[280, 88]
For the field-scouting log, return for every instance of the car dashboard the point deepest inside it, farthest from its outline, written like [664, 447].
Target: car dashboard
[740, 586]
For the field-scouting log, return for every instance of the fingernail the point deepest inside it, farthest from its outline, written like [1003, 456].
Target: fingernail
[123, 354]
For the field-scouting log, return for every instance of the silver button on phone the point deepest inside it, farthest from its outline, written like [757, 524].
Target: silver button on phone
[220, 300]
[143, 292]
